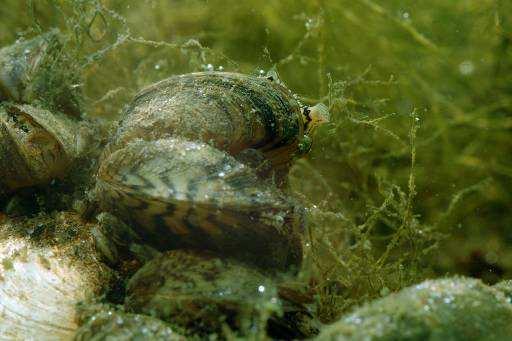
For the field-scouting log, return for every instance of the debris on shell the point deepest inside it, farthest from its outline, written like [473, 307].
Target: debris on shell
[297, 320]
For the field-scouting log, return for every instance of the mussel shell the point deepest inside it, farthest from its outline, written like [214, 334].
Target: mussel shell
[36, 145]
[39, 69]
[188, 194]
[230, 111]
[444, 309]
[121, 326]
[201, 292]
[47, 266]
[116, 242]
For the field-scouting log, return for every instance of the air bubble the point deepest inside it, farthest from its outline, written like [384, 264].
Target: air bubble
[309, 24]
[448, 300]
[466, 67]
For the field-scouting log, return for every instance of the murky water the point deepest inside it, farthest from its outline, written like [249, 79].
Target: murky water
[411, 178]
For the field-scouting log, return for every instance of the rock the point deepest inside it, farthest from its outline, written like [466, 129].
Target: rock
[455, 308]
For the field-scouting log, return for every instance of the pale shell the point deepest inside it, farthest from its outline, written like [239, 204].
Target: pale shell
[454, 308]
[41, 282]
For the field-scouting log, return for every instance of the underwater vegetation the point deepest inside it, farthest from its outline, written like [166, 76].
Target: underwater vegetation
[410, 180]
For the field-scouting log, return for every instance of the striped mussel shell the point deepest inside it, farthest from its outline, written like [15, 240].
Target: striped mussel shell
[230, 111]
[182, 193]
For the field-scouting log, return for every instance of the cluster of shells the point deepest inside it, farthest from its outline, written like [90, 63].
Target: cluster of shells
[186, 230]
[194, 229]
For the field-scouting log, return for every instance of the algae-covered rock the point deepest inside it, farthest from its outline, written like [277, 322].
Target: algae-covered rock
[47, 266]
[505, 287]
[117, 325]
[201, 292]
[445, 309]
